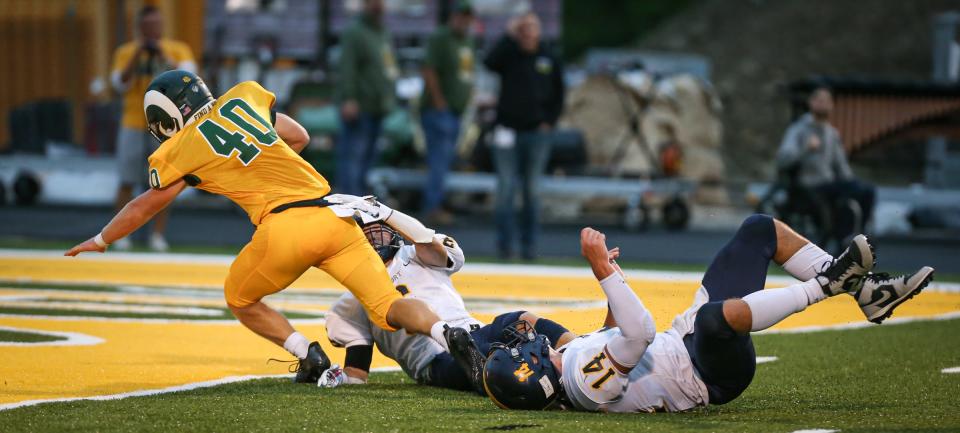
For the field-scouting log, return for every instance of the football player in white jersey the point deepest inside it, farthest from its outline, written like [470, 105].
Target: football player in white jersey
[706, 356]
[421, 270]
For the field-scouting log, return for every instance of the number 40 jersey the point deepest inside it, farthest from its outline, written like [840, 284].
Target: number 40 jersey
[234, 151]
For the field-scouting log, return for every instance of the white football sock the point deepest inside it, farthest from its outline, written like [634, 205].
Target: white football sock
[436, 331]
[806, 262]
[769, 307]
[297, 345]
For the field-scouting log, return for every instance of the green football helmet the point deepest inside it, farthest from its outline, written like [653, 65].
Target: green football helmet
[174, 99]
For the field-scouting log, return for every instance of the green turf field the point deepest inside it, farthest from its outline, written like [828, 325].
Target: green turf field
[885, 378]
[26, 337]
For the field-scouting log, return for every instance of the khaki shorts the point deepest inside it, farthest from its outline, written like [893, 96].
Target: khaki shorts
[133, 148]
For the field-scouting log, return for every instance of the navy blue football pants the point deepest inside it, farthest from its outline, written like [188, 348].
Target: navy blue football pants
[726, 360]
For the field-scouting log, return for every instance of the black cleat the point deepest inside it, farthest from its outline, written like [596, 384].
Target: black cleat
[845, 274]
[310, 368]
[468, 356]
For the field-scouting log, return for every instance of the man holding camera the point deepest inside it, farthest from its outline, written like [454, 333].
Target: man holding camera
[135, 63]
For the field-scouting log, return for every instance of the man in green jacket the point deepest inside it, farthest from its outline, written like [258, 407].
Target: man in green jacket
[448, 73]
[367, 71]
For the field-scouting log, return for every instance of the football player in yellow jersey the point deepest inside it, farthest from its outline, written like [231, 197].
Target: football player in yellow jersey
[237, 146]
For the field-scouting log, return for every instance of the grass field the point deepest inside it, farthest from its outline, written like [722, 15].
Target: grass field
[117, 325]
[26, 337]
[885, 378]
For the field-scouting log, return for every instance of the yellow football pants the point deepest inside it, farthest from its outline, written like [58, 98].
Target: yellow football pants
[288, 243]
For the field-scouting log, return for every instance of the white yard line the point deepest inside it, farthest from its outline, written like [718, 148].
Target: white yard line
[816, 430]
[145, 392]
[858, 325]
[71, 338]
[951, 370]
[167, 390]
[766, 359]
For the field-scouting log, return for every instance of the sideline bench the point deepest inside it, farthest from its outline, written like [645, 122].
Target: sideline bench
[639, 194]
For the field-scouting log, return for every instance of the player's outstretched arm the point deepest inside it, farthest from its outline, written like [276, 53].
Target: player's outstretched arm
[430, 250]
[593, 247]
[291, 132]
[635, 322]
[613, 254]
[134, 215]
[433, 253]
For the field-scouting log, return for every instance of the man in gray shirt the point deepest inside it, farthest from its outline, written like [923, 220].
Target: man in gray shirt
[813, 146]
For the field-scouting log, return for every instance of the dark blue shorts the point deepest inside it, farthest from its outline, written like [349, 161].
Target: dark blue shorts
[493, 333]
[444, 370]
[726, 360]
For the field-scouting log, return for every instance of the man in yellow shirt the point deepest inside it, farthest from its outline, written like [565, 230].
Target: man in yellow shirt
[135, 63]
[239, 147]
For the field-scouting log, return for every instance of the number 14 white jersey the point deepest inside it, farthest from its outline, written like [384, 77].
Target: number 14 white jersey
[663, 380]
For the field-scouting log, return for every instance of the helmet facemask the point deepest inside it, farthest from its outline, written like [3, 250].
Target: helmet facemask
[385, 240]
[519, 332]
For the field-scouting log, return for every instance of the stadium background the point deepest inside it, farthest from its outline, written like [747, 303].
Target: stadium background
[739, 71]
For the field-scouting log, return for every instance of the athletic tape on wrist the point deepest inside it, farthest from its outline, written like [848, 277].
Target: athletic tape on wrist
[98, 239]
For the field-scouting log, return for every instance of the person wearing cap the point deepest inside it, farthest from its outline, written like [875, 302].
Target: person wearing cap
[448, 75]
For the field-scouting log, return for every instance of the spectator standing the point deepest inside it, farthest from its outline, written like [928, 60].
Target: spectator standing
[813, 146]
[135, 63]
[367, 72]
[528, 106]
[448, 74]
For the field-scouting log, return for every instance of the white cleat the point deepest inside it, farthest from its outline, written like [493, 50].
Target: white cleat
[158, 243]
[882, 293]
[122, 244]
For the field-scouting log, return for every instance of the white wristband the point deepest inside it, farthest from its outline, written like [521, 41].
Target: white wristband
[98, 239]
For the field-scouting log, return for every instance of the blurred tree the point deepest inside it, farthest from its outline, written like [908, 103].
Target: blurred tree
[611, 23]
